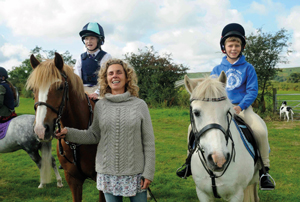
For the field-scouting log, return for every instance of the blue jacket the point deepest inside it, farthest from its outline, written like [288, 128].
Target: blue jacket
[242, 85]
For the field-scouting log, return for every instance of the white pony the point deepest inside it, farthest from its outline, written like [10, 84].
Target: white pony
[221, 166]
[20, 135]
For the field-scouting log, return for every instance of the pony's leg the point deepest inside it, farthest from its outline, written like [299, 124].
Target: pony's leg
[101, 197]
[287, 116]
[203, 196]
[148, 195]
[250, 193]
[58, 177]
[35, 156]
[75, 185]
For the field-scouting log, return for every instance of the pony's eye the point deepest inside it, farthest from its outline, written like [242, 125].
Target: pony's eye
[197, 113]
[60, 87]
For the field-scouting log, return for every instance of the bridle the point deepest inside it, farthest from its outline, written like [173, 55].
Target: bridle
[59, 112]
[198, 134]
[62, 104]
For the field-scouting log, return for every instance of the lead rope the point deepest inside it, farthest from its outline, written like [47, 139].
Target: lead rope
[151, 194]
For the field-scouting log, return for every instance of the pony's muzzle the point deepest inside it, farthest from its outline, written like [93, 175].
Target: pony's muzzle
[217, 162]
[43, 132]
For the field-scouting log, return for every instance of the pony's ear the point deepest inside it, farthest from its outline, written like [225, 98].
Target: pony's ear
[190, 84]
[223, 78]
[34, 62]
[58, 61]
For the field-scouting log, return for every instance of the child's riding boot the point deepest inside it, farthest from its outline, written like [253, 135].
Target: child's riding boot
[265, 178]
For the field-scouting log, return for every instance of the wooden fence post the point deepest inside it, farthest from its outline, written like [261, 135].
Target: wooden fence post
[274, 99]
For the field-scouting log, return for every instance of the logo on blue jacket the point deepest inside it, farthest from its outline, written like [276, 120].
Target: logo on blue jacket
[234, 79]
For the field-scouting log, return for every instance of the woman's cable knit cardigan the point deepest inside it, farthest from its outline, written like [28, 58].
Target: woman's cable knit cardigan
[122, 127]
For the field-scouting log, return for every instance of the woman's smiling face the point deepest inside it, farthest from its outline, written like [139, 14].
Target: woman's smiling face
[116, 78]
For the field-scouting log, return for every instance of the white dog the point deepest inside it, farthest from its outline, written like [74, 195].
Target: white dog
[285, 110]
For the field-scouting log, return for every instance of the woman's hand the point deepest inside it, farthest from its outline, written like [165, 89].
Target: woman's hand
[145, 183]
[61, 134]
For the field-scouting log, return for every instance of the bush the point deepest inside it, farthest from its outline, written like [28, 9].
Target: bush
[156, 76]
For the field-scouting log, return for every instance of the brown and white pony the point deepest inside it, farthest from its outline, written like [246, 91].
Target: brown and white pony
[60, 99]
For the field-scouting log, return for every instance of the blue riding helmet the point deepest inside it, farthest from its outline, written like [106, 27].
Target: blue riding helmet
[93, 29]
[233, 29]
[3, 72]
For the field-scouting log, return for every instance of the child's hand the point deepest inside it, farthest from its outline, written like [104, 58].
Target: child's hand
[237, 109]
[93, 96]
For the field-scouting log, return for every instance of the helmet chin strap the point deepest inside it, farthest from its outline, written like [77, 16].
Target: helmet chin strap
[93, 49]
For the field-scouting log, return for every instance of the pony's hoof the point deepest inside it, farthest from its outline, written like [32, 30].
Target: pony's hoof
[41, 186]
[59, 184]
[148, 195]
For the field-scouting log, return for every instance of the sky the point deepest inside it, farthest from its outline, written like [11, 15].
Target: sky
[188, 29]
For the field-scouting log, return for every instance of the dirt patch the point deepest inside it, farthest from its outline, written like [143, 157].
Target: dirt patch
[284, 124]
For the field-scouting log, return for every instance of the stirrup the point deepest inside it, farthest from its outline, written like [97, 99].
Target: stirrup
[186, 171]
[272, 180]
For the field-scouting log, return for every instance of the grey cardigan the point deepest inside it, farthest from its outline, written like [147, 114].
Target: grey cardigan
[122, 126]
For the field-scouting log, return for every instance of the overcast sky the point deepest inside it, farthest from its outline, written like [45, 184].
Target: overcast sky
[189, 29]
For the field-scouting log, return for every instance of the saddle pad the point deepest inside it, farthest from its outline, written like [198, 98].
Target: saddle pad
[3, 128]
[247, 144]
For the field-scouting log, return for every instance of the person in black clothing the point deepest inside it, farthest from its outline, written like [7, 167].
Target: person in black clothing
[7, 97]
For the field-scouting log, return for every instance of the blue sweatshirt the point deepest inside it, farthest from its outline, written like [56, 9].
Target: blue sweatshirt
[242, 85]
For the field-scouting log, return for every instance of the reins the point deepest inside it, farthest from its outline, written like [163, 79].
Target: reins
[206, 128]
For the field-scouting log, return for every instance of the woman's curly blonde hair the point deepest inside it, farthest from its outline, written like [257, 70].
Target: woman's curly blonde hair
[131, 84]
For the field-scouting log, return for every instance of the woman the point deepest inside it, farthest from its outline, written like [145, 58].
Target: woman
[7, 98]
[125, 159]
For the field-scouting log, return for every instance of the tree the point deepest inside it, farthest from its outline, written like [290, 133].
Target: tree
[156, 76]
[18, 75]
[264, 52]
[294, 78]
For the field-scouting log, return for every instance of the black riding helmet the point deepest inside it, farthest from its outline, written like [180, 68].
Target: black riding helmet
[233, 29]
[93, 29]
[3, 72]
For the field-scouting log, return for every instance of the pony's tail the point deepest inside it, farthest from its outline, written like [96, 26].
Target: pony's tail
[45, 171]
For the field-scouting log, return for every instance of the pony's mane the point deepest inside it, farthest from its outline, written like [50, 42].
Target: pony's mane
[46, 73]
[209, 87]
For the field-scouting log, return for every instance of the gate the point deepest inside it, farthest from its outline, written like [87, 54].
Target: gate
[293, 101]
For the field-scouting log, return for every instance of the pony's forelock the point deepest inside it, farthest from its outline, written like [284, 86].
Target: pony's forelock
[210, 87]
[46, 74]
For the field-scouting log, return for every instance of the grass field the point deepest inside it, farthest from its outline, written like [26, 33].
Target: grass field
[19, 176]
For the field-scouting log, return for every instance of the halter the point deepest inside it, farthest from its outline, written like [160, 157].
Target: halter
[206, 128]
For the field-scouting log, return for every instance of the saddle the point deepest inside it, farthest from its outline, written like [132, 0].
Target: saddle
[247, 136]
[3, 128]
